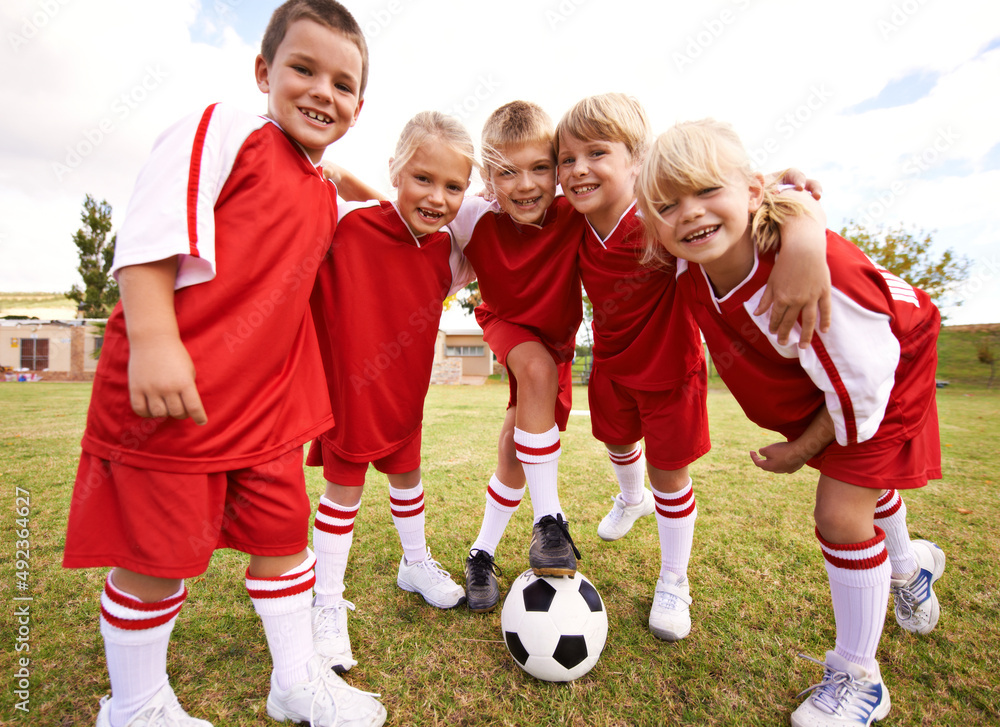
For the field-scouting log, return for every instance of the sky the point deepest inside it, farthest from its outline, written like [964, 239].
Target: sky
[892, 106]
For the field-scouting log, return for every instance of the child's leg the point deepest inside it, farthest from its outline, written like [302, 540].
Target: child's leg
[505, 491]
[333, 534]
[281, 590]
[536, 436]
[676, 512]
[857, 565]
[634, 501]
[138, 613]
[406, 498]
[418, 571]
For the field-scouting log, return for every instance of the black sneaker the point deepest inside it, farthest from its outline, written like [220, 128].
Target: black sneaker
[552, 552]
[482, 592]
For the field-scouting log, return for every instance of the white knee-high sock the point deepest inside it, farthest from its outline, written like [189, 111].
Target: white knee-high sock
[675, 516]
[539, 457]
[501, 503]
[890, 515]
[408, 516]
[333, 533]
[859, 585]
[630, 471]
[284, 605]
[136, 636]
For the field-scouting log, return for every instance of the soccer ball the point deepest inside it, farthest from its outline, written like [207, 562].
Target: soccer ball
[555, 628]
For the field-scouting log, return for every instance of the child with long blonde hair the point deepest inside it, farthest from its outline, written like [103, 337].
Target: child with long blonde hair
[377, 303]
[858, 405]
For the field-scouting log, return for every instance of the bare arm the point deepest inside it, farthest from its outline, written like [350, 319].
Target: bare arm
[788, 457]
[160, 371]
[349, 187]
[800, 281]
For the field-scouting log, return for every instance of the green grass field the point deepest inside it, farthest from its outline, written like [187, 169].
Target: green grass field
[760, 589]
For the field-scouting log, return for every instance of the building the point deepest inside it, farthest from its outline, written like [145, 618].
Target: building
[64, 350]
[50, 350]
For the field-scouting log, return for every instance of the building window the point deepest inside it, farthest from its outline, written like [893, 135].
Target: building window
[35, 353]
[463, 350]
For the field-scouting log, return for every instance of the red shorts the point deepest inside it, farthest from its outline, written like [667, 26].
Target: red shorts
[341, 471]
[886, 465]
[502, 336]
[168, 524]
[673, 423]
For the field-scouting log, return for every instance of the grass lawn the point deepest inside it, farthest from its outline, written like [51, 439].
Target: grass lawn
[760, 589]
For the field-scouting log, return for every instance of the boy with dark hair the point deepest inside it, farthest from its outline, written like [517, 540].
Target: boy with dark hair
[216, 262]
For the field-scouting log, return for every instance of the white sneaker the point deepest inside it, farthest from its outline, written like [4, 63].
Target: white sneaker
[848, 695]
[324, 700]
[622, 516]
[162, 710]
[670, 617]
[330, 637]
[917, 608]
[431, 581]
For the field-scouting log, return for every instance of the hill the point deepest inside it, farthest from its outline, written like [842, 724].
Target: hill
[958, 347]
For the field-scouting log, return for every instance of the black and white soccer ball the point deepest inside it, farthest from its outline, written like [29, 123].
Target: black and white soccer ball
[555, 628]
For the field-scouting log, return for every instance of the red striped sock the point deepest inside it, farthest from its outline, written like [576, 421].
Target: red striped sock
[408, 516]
[630, 471]
[890, 515]
[501, 503]
[676, 513]
[284, 604]
[136, 636]
[333, 534]
[539, 458]
[859, 585]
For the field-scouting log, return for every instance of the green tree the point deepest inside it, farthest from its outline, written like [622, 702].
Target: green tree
[987, 354]
[469, 297]
[908, 255]
[96, 251]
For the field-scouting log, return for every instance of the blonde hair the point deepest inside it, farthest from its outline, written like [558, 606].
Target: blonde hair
[512, 126]
[696, 155]
[430, 125]
[328, 13]
[609, 117]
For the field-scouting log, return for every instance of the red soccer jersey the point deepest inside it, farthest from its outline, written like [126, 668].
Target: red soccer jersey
[249, 218]
[874, 369]
[378, 303]
[641, 338]
[528, 274]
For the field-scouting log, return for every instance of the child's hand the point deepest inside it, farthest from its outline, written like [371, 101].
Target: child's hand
[161, 380]
[780, 457]
[797, 179]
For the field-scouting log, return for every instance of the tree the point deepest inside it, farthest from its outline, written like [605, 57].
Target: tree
[469, 297]
[908, 255]
[96, 251]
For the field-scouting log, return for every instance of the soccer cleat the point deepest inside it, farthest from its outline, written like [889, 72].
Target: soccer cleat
[431, 581]
[848, 695]
[552, 551]
[623, 516]
[670, 616]
[917, 608]
[481, 587]
[162, 710]
[330, 636]
[324, 700]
